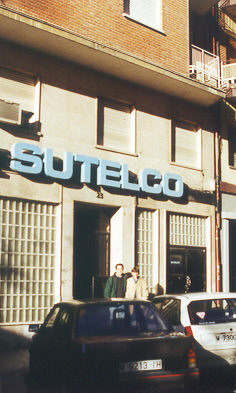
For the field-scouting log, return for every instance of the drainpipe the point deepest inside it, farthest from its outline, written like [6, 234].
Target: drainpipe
[218, 217]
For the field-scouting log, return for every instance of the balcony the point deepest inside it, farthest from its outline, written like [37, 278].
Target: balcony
[227, 22]
[229, 79]
[229, 7]
[205, 67]
[201, 7]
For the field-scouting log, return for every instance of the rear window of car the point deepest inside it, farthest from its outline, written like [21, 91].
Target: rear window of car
[170, 308]
[118, 319]
[213, 311]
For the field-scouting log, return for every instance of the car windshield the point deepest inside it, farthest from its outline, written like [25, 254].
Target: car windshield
[113, 319]
[212, 311]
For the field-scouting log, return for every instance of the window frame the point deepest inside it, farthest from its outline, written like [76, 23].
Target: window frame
[103, 102]
[188, 126]
[158, 27]
[232, 146]
[29, 117]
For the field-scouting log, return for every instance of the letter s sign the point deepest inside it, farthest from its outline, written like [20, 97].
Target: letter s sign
[25, 152]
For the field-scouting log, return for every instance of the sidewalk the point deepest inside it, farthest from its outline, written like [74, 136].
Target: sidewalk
[12, 361]
[14, 365]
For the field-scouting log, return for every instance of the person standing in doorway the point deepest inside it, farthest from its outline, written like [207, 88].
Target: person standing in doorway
[136, 287]
[116, 284]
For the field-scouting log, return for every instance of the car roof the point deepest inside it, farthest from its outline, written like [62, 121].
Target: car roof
[75, 303]
[199, 296]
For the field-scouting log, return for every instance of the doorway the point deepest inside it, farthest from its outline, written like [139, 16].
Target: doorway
[232, 255]
[186, 269]
[91, 250]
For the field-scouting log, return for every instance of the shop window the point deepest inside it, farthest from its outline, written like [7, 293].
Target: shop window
[148, 12]
[144, 246]
[116, 126]
[232, 146]
[28, 255]
[19, 98]
[186, 265]
[186, 144]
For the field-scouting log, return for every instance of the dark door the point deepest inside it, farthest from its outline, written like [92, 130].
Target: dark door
[232, 255]
[186, 270]
[91, 250]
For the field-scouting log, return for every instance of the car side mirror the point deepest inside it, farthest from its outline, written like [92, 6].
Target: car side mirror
[34, 328]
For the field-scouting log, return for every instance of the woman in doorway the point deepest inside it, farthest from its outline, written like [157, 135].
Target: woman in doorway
[136, 287]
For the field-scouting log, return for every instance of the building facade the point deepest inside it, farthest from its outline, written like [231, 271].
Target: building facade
[108, 151]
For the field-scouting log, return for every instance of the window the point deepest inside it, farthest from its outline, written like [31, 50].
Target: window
[19, 97]
[118, 319]
[116, 126]
[147, 12]
[170, 308]
[187, 230]
[145, 246]
[51, 318]
[28, 271]
[232, 146]
[204, 312]
[186, 144]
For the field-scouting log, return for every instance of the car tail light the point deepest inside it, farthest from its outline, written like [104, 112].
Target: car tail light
[192, 358]
[188, 331]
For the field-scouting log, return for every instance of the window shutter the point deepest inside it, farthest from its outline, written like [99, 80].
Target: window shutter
[187, 145]
[147, 12]
[117, 125]
[18, 88]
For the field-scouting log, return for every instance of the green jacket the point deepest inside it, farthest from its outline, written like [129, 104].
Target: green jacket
[111, 286]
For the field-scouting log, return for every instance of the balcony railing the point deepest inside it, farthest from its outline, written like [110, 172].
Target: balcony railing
[227, 20]
[229, 79]
[205, 67]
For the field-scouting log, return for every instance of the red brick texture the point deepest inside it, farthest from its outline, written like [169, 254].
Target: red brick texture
[102, 21]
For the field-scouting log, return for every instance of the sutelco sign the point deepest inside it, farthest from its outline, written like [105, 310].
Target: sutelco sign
[28, 158]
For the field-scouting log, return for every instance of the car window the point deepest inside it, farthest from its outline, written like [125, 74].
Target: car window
[213, 311]
[58, 321]
[62, 323]
[170, 308]
[118, 319]
[50, 319]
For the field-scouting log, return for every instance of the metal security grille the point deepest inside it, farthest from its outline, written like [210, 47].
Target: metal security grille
[145, 246]
[27, 260]
[187, 230]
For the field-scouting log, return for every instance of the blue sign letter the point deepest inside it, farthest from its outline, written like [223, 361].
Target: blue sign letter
[85, 176]
[108, 177]
[67, 165]
[143, 181]
[20, 152]
[179, 185]
[125, 184]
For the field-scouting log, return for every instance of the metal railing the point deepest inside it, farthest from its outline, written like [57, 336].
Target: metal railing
[229, 75]
[205, 67]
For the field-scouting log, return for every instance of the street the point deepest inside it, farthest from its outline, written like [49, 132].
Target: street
[17, 380]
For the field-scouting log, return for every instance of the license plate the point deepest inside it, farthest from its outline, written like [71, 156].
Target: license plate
[225, 337]
[141, 365]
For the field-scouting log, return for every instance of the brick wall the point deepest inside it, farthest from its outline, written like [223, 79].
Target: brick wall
[103, 22]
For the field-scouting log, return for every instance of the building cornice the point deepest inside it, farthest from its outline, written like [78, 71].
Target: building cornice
[54, 41]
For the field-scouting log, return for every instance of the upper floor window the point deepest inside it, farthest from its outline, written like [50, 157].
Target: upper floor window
[147, 12]
[19, 97]
[116, 126]
[186, 144]
[232, 146]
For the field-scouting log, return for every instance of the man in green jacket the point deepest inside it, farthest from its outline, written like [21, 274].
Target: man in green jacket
[116, 284]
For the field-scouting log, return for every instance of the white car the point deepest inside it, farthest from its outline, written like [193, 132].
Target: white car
[210, 318]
